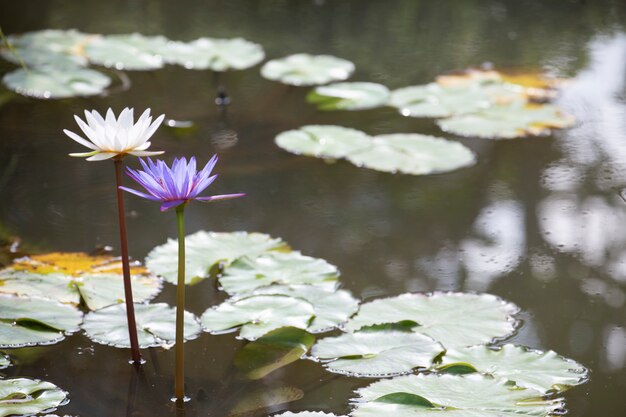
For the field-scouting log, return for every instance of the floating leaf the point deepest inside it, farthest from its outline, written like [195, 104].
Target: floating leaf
[205, 249]
[412, 153]
[508, 122]
[273, 351]
[306, 414]
[246, 274]
[214, 54]
[323, 141]
[257, 400]
[349, 96]
[127, 52]
[305, 69]
[46, 48]
[542, 371]
[377, 354]
[156, 325]
[72, 263]
[23, 396]
[332, 307]
[435, 100]
[258, 315]
[451, 395]
[56, 82]
[454, 319]
[34, 321]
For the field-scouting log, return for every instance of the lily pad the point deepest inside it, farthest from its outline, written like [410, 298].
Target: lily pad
[412, 153]
[35, 321]
[377, 354]
[273, 351]
[214, 54]
[23, 396]
[56, 82]
[46, 47]
[95, 290]
[435, 100]
[542, 371]
[156, 325]
[508, 122]
[246, 274]
[305, 69]
[205, 249]
[306, 414]
[332, 307]
[323, 141]
[453, 319]
[127, 52]
[451, 395]
[265, 398]
[349, 96]
[73, 263]
[258, 315]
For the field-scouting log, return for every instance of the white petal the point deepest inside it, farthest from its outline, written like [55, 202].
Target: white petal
[146, 153]
[125, 120]
[80, 140]
[84, 154]
[110, 118]
[87, 130]
[102, 156]
[154, 126]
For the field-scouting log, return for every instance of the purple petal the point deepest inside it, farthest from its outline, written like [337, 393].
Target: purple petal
[170, 204]
[219, 197]
[139, 193]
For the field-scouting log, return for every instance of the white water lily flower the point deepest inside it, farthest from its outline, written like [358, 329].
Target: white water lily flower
[110, 137]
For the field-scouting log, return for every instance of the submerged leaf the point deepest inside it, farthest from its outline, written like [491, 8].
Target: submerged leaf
[266, 398]
[258, 315]
[377, 354]
[273, 351]
[349, 96]
[306, 414]
[156, 325]
[35, 321]
[56, 82]
[451, 395]
[323, 141]
[305, 69]
[332, 307]
[23, 396]
[205, 249]
[214, 54]
[5, 361]
[542, 371]
[246, 274]
[454, 319]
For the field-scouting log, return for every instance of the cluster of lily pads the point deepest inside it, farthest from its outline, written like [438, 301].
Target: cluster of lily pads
[55, 62]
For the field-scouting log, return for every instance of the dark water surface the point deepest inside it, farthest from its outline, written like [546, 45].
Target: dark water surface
[537, 221]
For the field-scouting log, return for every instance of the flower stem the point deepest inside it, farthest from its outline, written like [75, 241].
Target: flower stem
[179, 381]
[128, 290]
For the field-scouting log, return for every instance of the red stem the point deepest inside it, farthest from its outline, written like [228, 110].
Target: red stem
[128, 290]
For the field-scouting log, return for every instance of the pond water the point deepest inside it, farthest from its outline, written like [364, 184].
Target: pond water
[537, 221]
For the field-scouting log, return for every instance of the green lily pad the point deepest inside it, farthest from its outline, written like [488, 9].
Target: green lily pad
[56, 82]
[258, 315]
[435, 100]
[349, 96]
[305, 69]
[412, 153]
[332, 307]
[246, 274]
[265, 398]
[46, 48]
[214, 54]
[96, 290]
[453, 319]
[127, 52]
[323, 141]
[508, 122]
[273, 351]
[377, 354]
[451, 396]
[542, 371]
[306, 414]
[5, 361]
[25, 397]
[156, 325]
[35, 321]
[204, 250]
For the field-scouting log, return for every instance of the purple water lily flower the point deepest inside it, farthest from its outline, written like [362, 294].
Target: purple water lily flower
[176, 185]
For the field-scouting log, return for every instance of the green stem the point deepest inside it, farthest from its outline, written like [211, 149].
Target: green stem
[179, 381]
[128, 289]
